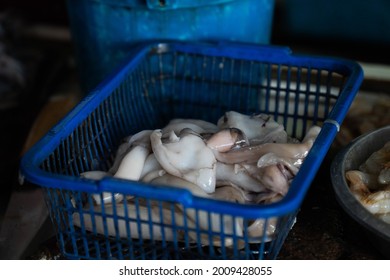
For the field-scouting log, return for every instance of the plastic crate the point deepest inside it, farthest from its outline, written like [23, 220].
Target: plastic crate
[170, 80]
[103, 31]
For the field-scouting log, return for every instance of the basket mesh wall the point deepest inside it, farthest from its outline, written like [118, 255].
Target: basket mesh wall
[162, 87]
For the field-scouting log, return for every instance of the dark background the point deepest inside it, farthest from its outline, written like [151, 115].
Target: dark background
[41, 11]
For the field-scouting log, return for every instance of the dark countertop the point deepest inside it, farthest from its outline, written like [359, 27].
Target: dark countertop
[323, 231]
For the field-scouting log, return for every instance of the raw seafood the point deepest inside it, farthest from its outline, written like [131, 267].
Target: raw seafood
[261, 128]
[229, 174]
[370, 184]
[105, 197]
[133, 160]
[227, 139]
[253, 153]
[243, 159]
[198, 126]
[130, 222]
[151, 165]
[186, 156]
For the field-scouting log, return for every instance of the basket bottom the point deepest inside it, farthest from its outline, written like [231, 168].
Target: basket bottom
[91, 246]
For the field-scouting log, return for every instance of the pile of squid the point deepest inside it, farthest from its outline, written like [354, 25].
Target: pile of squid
[247, 159]
[370, 183]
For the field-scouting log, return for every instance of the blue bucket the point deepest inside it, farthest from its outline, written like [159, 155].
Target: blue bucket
[103, 31]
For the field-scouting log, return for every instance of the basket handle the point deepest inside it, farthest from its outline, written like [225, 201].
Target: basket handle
[271, 50]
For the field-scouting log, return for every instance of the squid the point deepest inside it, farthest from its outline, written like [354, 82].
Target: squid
[292, 165]
[377, 200]
[133, 160]
[134, 221]
[241, 159]
[204, 220]
[370, 183]
[225, 193]
[227, 139]
[361, 183]
[151, 169]
[229, 174]
[259, 128]
[251, 154]
[261, 228]
[377, 161]
[170, 180]
[120, 153]
[274, 177]
[186, 156]
[198, 126]
[384, 174]
[106, 197]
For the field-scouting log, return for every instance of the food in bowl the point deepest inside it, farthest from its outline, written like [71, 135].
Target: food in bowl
[370, 183]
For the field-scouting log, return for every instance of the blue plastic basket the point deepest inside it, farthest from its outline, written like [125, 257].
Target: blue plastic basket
[103, 31]
[169, 80]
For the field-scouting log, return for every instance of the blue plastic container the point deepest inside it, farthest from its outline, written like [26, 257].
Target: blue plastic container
[192, 80]
[103, 31]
